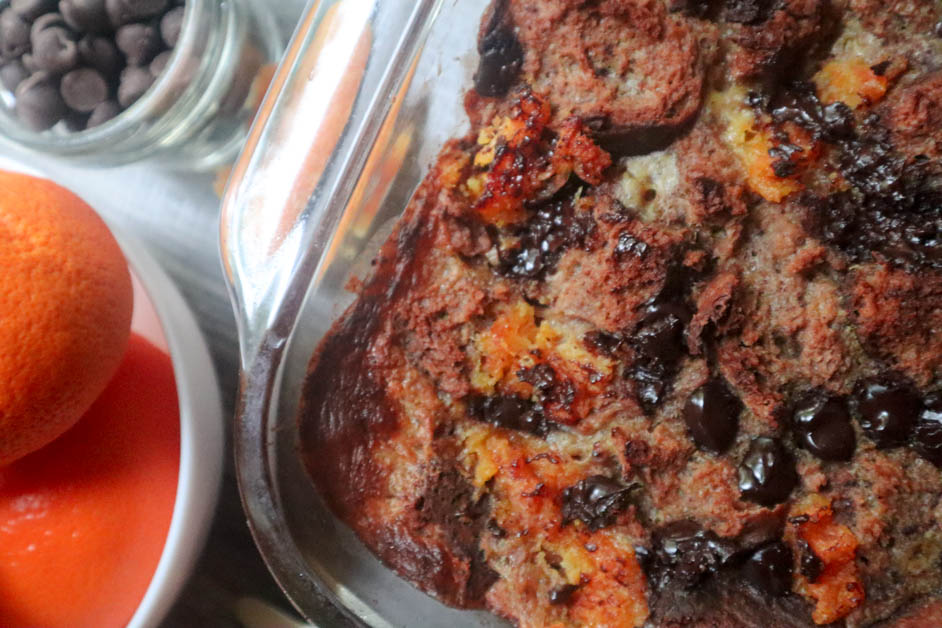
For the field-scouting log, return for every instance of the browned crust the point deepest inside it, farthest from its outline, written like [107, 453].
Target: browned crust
[629, 69]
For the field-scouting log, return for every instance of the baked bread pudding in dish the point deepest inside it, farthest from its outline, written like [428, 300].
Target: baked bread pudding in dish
[659, 341]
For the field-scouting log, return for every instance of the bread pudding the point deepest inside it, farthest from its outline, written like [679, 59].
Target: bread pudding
[658, 342]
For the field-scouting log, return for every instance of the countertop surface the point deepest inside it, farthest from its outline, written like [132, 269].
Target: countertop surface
[175, 215]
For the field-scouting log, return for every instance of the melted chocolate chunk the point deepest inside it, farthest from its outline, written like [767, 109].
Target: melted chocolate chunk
[822, 425]
[808, 562]
[603, 343]
[596, 501]
[767, 473]
[501, 56]
[551, 229]
[450, 501]
[712, 416]
[927, 434]
[511, 412]
[799, 103]
[887, 408]
[894, 210]
[894, 206]
[659, 345]
[684, 554]
[628, 245]
[769, 569]
[562, 595]
[660, 335]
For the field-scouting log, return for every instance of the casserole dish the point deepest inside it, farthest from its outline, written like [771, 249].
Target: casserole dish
[325, 172]
[575, 388]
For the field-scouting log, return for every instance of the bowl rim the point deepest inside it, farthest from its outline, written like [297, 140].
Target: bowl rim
[202, 436]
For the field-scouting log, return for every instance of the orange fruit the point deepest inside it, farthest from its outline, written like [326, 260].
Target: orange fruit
[65, 311]
[83, 521]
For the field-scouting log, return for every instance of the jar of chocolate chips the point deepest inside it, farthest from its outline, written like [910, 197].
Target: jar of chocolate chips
[106, 82]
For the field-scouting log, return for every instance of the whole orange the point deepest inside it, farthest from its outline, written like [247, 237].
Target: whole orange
[65, 311]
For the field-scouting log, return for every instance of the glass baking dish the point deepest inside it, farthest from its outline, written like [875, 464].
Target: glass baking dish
[362, 103]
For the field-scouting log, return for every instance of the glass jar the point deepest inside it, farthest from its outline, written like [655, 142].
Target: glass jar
[196, 114]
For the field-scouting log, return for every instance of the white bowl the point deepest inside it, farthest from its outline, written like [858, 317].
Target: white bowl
[163, 317]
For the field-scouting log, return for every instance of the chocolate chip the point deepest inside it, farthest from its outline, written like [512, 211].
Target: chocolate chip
[122, 12]
[100, 53]
[170, 26]
[808, 562]
[84, 89]
[563, 594]
[75, 120]
[140, 43]
[103, 113]
[659, 345]
[511, 412]
[684, 554]
[500, 55]
[554, 227]
[14, 34]
[603, 343]
[712, 416]
[880, 68]
[49, 20]
[660, 333]
[12, 74]
[134, 83]
[822, 424]
[86, 16]
[769, 569]
[596, 501]
[159, 64]
[927, 434]
[28, 63]
[887, 408]
[767, 473]
[38, 103]
[54, 50]
[32, 9]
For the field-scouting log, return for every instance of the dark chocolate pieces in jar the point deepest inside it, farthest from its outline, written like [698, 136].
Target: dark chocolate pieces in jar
[91, 58]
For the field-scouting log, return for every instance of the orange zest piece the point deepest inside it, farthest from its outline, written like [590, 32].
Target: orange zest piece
[511, 178]
[510, 337]
[851, 81]
[838, 589]
[513, 149]
[752, 146]
[577, 152]
[612, 586]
